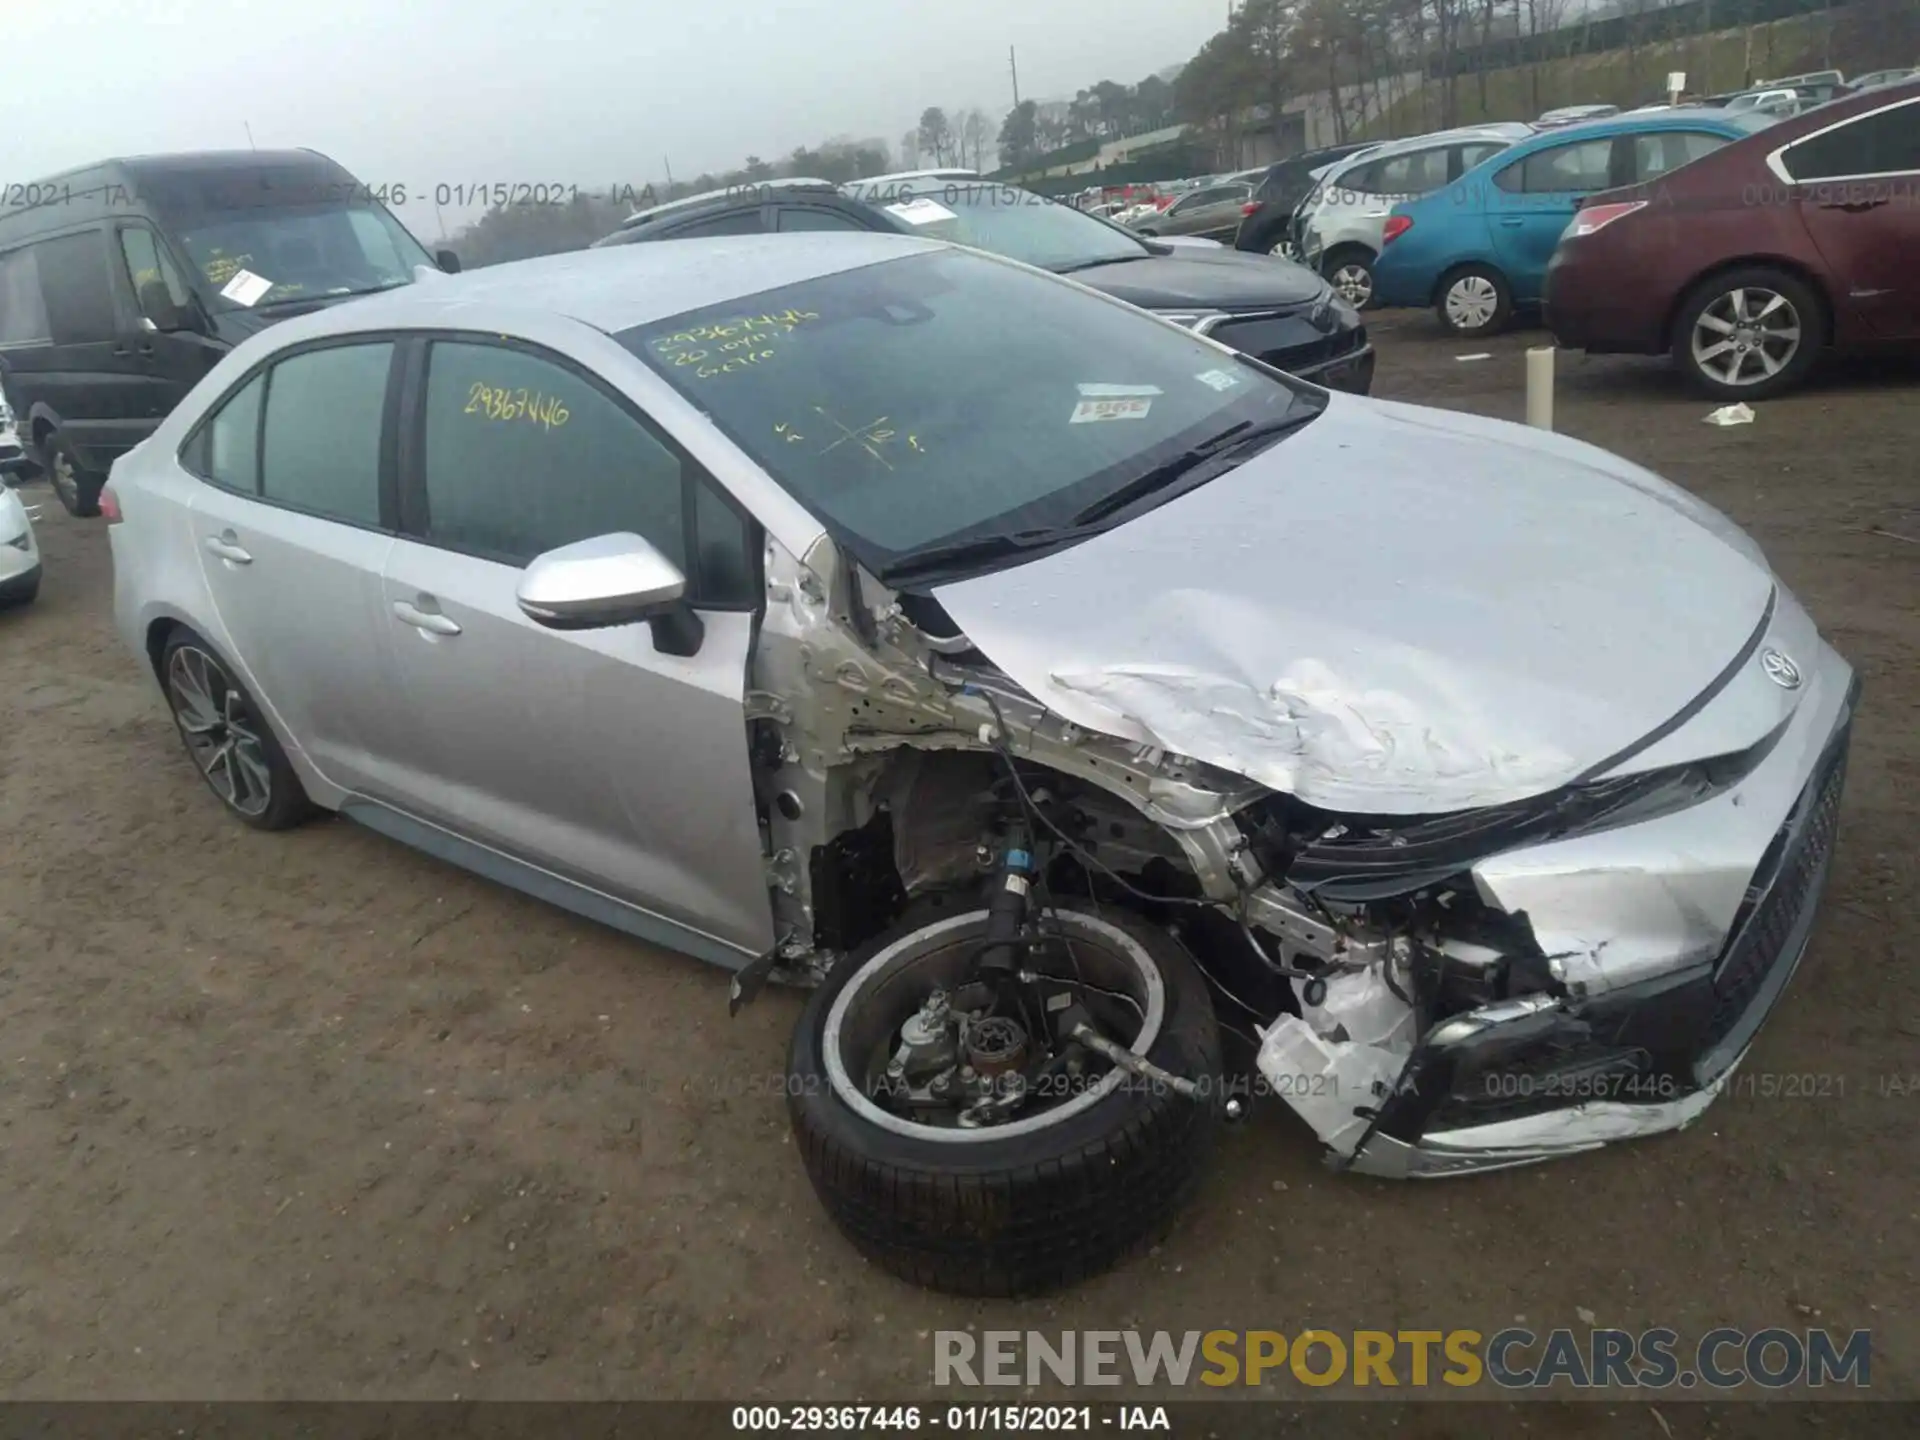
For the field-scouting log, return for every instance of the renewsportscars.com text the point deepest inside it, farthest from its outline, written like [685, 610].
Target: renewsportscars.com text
[1511, 1359]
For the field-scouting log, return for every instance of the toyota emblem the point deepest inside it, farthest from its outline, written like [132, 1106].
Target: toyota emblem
[1781, 670]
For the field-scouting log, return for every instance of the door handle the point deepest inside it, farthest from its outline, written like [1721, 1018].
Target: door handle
[1512, 222]
[428, 622]
[1852, 207]
[227, 547]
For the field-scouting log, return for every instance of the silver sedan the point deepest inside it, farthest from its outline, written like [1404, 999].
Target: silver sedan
[1050, 688]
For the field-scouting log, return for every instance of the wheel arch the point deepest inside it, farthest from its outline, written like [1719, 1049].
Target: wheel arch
[1799, 270]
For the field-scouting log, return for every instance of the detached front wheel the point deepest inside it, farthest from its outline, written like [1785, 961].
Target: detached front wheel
[986, 1158]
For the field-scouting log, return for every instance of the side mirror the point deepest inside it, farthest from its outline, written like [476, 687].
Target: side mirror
[160, 314]
[447, 261]
[610, 580]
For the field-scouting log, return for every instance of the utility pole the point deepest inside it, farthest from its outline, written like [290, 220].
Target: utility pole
[1014, 66]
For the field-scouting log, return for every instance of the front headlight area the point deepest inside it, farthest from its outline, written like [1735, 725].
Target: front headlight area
[1415, 1004]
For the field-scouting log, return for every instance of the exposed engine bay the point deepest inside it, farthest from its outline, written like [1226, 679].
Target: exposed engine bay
[894, 765]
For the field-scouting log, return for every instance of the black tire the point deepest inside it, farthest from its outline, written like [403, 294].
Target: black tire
[12, 597]
[1349, 269]
[1485, 280]
[1031, 1212]
[77, 487]
[285, 803]
[1809, 311]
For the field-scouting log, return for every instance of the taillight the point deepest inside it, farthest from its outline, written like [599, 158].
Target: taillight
[109, 505]
[1593, 218]
[1249, 207]
[1397, 225]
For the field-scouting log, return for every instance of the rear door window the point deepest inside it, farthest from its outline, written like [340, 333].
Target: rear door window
[1884, 143]
[1577, 169]
[1466, 157]
[23, 315]
[1414, 174]
[320, 450]
[1654, 155]
[75, 285]
[226, 450]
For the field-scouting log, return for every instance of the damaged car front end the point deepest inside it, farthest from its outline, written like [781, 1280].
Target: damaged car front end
[1488, 780]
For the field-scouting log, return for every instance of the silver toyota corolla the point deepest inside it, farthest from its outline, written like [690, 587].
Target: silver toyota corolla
[1052, 689]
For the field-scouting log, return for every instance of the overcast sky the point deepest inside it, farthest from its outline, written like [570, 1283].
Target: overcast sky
[578, 92]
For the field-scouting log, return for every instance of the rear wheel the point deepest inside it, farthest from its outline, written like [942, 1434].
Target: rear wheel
[1350, 272]
[967, 1194]
[1749, 334]
[1475, 300]
[229, 739]
[77, 487]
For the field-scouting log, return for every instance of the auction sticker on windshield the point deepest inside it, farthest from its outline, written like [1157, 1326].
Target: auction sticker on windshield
[1128, 407]
[246, 288]
[1218, 379]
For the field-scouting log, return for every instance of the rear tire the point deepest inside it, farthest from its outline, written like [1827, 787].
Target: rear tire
[77, 487]
[1349, 270]
[228, 738]
[1474, 301]
[1029, 1212]
[1711, 317]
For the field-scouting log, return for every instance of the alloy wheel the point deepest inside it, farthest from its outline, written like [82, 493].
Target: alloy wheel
[1354, 283]
[221, 735]
[1471, 302]
[1746, 336]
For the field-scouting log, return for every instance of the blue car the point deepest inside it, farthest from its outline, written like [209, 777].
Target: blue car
[1477, 249]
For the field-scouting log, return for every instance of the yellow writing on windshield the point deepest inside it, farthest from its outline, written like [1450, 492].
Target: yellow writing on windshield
[726, 347]
[222, 268]
[492, 402]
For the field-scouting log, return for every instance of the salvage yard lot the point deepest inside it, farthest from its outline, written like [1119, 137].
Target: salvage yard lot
[314, 1115]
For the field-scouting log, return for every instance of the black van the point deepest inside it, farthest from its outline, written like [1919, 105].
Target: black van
[122, 283]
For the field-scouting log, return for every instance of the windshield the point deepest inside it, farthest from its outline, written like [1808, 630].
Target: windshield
[1004, 219]
[300, 251]
[945, 395]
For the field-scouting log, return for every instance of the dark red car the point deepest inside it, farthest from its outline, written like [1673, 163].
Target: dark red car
[1750, 263]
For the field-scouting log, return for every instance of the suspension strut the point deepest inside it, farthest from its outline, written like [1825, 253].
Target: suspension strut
[1007, 908]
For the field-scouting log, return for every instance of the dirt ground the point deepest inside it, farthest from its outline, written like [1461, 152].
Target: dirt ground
[311, 1115]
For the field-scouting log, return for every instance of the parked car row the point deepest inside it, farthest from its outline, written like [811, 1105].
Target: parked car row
[1279, 312]
[1476, 249]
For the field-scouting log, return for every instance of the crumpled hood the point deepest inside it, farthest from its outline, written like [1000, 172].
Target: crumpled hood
[1395, 610]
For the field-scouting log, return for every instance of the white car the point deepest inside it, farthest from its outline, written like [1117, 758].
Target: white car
[14, 460]
[19, 554]
[1341, 225]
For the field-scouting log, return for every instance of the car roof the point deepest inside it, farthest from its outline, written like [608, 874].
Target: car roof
[614, 288]
[947, 174]
[1631, 123]
[726, 195]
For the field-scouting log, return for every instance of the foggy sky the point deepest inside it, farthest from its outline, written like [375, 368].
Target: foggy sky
[580, 92]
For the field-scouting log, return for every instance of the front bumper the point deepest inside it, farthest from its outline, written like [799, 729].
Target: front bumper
[14, 459]
[1537, 1077]
[1338, 356]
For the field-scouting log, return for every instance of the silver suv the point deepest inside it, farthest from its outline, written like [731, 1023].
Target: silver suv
[1340, 225]
[1032, 677]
